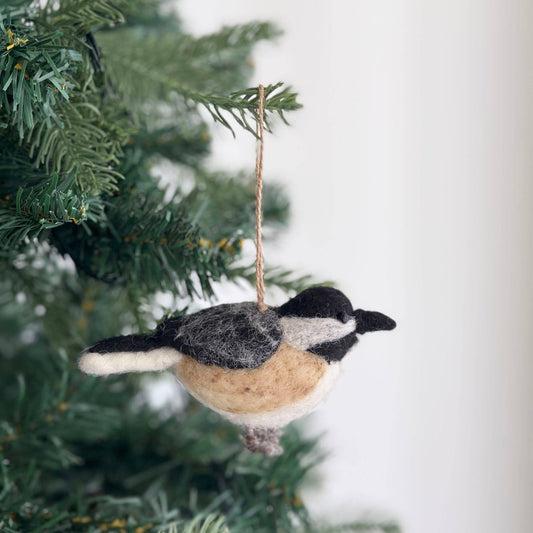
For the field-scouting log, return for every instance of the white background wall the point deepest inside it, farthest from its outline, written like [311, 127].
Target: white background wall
[410, 171]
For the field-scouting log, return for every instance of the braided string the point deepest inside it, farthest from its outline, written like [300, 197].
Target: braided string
[259, 276]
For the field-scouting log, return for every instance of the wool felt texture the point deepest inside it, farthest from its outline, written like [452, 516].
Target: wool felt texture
[228, 335]
[263, 440]
[260, 369]
[318, 302]
[335, 350]
[372, 321]
[104, 364]
[304, 333]
[283, 415]
[287, 377]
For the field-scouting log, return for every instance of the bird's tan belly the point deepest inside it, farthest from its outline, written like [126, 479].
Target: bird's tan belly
[287, 377]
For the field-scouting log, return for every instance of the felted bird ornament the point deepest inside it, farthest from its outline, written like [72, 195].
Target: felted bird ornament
[258, 369]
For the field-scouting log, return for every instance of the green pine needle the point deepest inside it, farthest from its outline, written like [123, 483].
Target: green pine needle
[39, 208]
[34, 73]
[82, 16]
[155, 65]
[79, 145]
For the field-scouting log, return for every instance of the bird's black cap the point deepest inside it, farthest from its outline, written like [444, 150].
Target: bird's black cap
[327, 302]
[318, 302]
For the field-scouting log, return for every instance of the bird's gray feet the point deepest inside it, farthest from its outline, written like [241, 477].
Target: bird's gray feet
[263, 440]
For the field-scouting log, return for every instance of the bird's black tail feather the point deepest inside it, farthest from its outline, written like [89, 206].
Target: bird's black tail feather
[127, 343]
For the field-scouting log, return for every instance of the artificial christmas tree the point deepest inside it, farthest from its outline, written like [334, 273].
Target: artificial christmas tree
[93, 95]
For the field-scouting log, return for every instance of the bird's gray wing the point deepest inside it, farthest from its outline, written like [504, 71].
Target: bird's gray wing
[228, 335]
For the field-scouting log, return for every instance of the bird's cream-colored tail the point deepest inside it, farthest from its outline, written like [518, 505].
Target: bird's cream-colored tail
[104, 364]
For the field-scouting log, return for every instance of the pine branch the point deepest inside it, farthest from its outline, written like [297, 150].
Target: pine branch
[34, 73]
[186, 143]
[184, 243]
[242, 105]
[149, 244]
[146, 71]
[225, 204]
[82, 144]
[39, 208]
[82, 16]
[16, 167]
[156, 15]
[229, 38]
[214, 64]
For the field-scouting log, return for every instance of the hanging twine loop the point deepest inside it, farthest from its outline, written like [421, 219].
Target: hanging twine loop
[259, 276]
[260, 440]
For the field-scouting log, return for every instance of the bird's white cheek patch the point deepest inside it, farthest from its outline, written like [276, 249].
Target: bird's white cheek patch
[303, 333]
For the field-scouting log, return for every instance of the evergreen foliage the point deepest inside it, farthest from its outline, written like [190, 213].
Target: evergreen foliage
[94, 94]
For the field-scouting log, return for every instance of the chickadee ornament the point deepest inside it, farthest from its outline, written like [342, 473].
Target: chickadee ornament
[259, 369]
